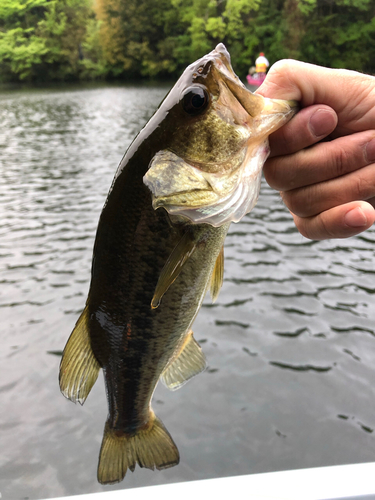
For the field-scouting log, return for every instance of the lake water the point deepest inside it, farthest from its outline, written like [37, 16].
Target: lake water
[290, 342]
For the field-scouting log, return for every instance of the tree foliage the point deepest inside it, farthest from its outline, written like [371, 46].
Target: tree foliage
[77, 39]
[42, 39]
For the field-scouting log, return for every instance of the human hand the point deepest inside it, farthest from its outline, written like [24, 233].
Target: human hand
[323, 160]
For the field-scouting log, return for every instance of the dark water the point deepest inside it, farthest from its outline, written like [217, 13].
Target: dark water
[290, 342]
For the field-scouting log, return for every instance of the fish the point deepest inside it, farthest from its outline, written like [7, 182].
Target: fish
[192, 170]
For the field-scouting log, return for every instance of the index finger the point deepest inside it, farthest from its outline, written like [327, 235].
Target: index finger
[350, 94]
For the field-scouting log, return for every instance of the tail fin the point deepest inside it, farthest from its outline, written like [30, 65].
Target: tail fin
[152, 447]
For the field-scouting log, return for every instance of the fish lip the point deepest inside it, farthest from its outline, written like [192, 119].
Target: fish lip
[272, 112]
[162, 201]
[221, 54]
[222, 64]
[253, 104]
[221, 49]
[223, 71]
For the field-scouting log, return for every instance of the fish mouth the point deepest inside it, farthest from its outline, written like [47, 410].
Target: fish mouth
[272, 112]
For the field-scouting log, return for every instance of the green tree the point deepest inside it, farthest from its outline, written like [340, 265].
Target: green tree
[64, 29]
[341, 34]
[20, 47]
[70, 39]
[138, 36]
[42, 39]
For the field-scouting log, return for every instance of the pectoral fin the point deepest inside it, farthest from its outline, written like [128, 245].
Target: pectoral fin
[189, 362]
[217, 276]
[79, 368]
[172, 268]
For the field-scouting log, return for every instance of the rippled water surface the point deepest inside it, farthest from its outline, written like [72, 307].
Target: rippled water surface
[290, 342]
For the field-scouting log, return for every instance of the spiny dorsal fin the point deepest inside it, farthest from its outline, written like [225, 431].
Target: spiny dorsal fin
[217, 276]
[188, 362]
[172, 268]
[151, 447]
[79, 368]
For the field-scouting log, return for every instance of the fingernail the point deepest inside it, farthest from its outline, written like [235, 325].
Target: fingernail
[322, 122]
[370, 151]
[355, 218]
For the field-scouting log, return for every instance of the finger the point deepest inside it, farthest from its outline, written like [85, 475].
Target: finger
[290, 79]
[310, 84]
[309, 126]
[311, 200]
[371, 201]
[323, 162]
[339, 222]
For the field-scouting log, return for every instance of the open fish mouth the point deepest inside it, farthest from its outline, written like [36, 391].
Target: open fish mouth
[223, 188]
[255, 105]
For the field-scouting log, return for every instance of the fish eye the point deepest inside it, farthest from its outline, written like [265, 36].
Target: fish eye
[195, 100]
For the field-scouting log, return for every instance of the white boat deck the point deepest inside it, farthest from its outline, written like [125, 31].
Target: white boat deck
[354, 482]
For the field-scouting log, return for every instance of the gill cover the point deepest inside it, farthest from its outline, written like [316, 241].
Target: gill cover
[188, 191]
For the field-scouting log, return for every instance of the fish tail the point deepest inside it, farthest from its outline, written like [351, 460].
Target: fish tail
[151, 447]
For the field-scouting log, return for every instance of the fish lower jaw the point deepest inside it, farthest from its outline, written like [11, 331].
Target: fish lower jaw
[182, 199]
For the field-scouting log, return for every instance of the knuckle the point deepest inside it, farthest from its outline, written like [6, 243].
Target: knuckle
[315, 228]
[326, 230]
[303, 227]
[362, 186]
[269, 173]
[272, 171]
[282, 66]
[292, 200]
[341, 161]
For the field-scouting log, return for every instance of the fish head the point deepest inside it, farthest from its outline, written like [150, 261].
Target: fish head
[217, 143]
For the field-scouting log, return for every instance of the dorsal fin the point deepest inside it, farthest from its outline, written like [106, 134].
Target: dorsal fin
[79, 368]
[217, 276]
[172, 268]
[186, 364]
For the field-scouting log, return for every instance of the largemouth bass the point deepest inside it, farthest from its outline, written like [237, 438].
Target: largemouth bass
[193, 169]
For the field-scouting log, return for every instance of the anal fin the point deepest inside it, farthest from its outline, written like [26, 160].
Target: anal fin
[217, 276]
[79, 368]
[190, 361]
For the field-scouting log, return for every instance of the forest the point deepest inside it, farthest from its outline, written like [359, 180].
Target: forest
[67, 40]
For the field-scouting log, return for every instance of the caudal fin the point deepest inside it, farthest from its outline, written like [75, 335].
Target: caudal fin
[151, 447]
